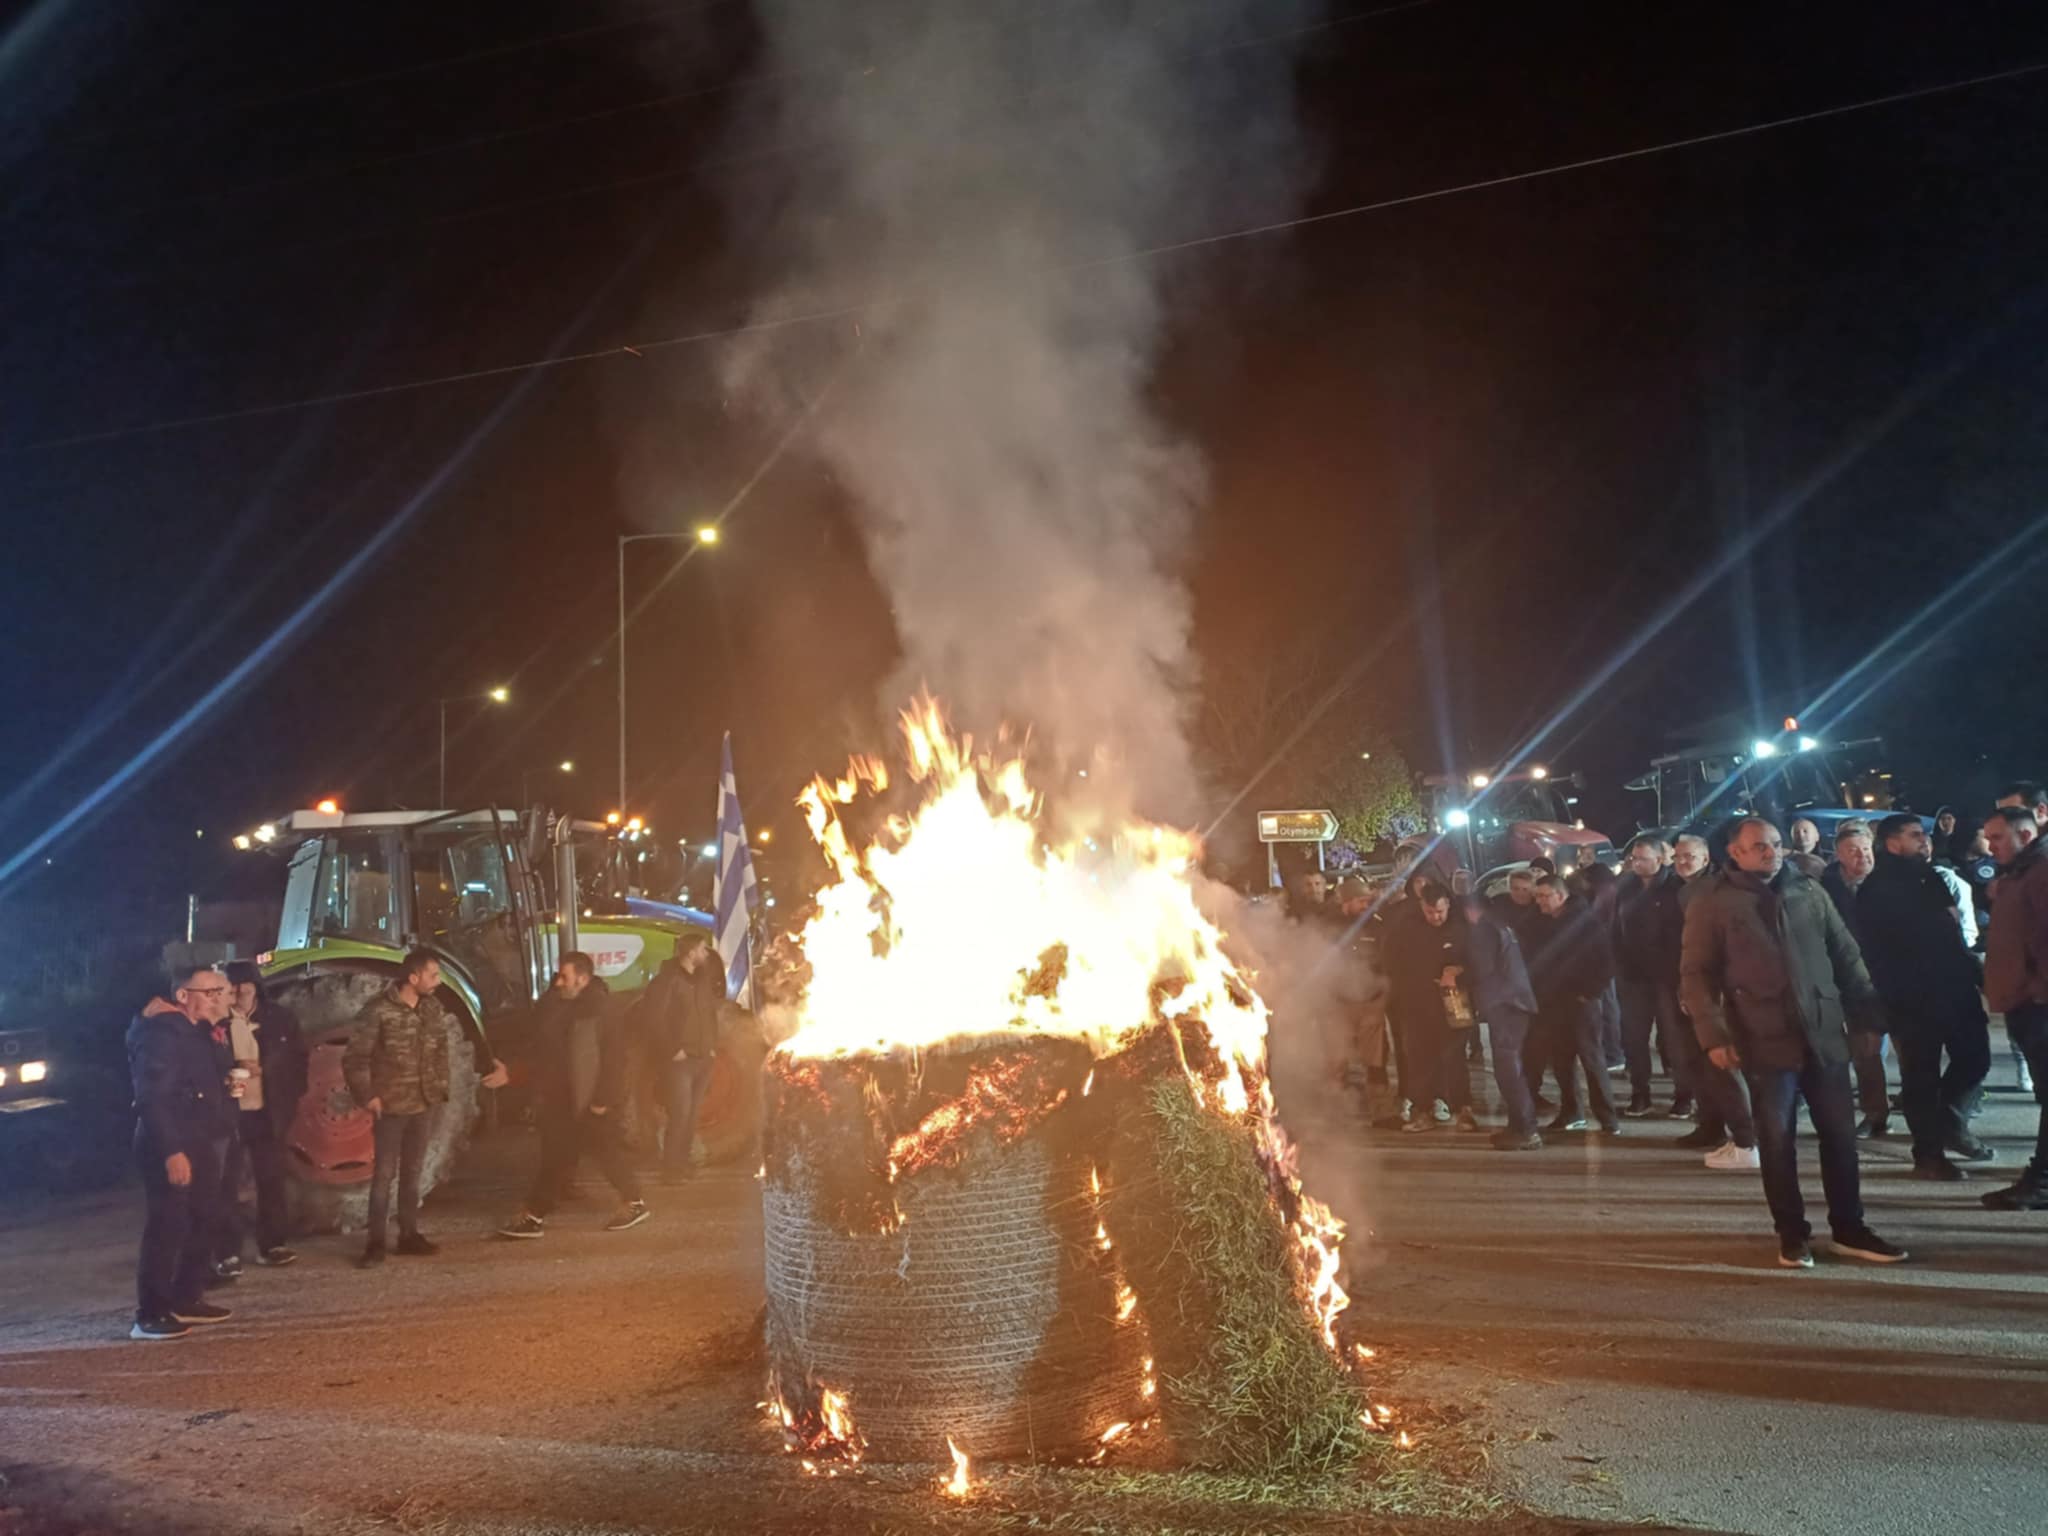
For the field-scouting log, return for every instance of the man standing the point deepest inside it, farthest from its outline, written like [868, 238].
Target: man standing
[396, 1066]
[1914, 944]
[1570, 969]
[1767, 968]
[1421, 946]
[579, 1083]
[1855, 858]
[1726, 1132]
[2016, 977]
[263, 1040]
[1497, 981]
[683, 1007]
[1648, 926]
[181, 1122]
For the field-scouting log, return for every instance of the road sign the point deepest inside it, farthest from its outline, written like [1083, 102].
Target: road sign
[1296, 826]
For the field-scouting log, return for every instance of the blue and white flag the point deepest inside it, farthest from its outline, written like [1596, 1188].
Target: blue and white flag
[735, 895]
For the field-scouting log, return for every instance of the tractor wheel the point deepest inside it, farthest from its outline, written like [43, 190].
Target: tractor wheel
[329, 1150]
[729, 1121]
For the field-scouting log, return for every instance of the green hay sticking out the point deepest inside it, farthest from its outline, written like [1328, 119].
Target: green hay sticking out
[1255, 1391]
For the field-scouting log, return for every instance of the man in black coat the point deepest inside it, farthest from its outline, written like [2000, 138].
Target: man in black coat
[1497, 980]
[682, 1025]
[1421, 945]
[579, 1087]
[1570, 967]
[1648, 925]
[1913, 943]
[182, 1106]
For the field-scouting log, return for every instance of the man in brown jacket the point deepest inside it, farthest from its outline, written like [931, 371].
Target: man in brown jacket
[1767, 969]
[2016, 976]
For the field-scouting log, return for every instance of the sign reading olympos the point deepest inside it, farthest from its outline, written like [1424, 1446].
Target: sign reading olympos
[1296, 826]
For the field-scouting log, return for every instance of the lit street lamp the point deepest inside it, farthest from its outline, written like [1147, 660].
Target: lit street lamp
[498, 695]
[702, 537]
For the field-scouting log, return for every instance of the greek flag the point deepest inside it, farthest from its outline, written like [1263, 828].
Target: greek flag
[735, 896]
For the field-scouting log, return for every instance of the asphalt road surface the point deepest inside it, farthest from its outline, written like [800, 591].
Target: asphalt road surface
[1613, 1310]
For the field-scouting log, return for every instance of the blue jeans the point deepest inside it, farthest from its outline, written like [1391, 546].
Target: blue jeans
[1509, 1032]
[1774, 1093]
[687, 1082]
[1572, 1027]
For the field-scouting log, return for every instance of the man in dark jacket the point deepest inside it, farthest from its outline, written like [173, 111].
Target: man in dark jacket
[1855, 857]
[1570, 967]
[1647, 928]
[182, 1107]
[2016, 976]
[1497, 980]
[1421, 944]
[682, 1007]
[579, 1085]
[1913, 942]
[263, 1039]
[1767, 969]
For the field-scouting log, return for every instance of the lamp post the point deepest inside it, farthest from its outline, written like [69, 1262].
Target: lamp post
[703, 537]
[498, 695]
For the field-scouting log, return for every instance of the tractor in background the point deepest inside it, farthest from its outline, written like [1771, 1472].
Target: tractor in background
[497, 898]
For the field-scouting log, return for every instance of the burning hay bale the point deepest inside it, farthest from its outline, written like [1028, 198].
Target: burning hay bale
[1068, 1217]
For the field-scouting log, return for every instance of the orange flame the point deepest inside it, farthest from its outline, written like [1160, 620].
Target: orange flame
[957, 1485]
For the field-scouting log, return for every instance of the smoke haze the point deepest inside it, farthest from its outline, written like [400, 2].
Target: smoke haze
[973, 173]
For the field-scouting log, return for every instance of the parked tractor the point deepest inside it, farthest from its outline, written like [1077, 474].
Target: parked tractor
[497, 898]
[1483, 823]
[1781, 775]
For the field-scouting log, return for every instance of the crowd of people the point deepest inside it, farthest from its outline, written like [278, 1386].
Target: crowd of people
[1779, 977]
[218, 1072]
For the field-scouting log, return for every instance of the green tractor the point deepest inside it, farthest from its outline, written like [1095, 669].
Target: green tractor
[497, 897]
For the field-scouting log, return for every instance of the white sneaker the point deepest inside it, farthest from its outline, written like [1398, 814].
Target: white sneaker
[1729, 1158]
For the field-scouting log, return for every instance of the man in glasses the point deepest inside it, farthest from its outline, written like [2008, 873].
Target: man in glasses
[182, 1121]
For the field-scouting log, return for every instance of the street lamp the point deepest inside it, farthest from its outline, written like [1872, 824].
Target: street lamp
[702, 537]
[498, 695]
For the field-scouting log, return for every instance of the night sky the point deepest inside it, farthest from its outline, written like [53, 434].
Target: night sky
[1482, 440]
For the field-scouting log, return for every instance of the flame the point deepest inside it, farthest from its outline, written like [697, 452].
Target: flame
[1405, 1440]
[1126, 1302]
[1151, 1387]
[964, 917]
[827, 1431]
[1364, 1352]
[957, 1485]
[1114, 1432]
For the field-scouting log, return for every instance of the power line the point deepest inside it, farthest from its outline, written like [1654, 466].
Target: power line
[201, 196]
[847, 311]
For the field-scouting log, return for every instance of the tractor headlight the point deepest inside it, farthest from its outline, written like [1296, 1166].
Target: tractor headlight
[34, 1071]
[1456, 818]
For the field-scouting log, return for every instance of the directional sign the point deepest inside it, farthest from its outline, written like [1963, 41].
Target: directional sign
[1296, 826]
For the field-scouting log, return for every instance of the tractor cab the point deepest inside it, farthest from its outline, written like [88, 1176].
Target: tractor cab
[1781, 776]
[1484, 822]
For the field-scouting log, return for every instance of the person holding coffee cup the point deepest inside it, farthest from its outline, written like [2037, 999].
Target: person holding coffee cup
[266, 1081]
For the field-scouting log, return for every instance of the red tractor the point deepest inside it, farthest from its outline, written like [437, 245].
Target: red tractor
[1483, 823]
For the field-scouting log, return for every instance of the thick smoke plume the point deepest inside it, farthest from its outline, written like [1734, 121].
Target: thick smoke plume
[981, 176]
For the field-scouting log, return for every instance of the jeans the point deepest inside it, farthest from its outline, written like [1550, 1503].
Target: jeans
[401, 1146]
[180, 1229]
[2028, 1029]
[564, 1138]
[1508, 1029]
[1648, 1006]
[259, 1150]
[1611, 1052]
[1435, 1057]
[686, 1084]
[1775, 1092]
[1574, 1027]
[1936, 1102]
